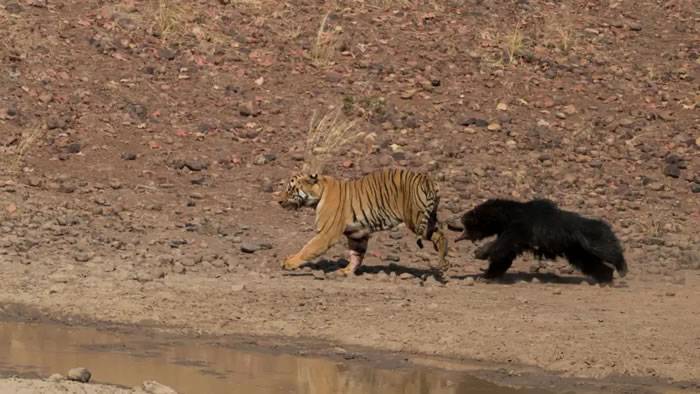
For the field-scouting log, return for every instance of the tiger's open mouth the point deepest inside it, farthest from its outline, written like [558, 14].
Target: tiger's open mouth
[290, 204]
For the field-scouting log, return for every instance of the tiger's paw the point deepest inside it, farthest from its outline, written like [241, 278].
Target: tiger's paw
[347, 271]
[291, 263]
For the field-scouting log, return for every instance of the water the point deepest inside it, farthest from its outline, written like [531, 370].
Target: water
[195, 367]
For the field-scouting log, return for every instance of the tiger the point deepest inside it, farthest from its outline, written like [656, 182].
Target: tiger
[357, 208]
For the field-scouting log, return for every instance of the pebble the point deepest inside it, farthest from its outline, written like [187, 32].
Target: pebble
[405, 276]
[474, 122]
[249, 247]
[695, 187]
[196, 165]
[238, 287]
[267, 186]
[166, 53]
[469, 281]
[264, 158]
[128, 156]
[38, 3]
[13, 8]
[656, 186]
[66, 187]
[137, 111]
[55, 123]
[478, 172]
[57, 377]
[80, 374]
[34, 181]
[494, 126]
[569, 109]
[248, 108]
[319, 274]
[153, 387]
[83, 257]
[635, 26]
[672, 170]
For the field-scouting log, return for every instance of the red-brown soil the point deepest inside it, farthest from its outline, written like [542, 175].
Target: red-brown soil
[143, 148]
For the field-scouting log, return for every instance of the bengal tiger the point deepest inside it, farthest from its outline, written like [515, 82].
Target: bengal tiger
[359, 207]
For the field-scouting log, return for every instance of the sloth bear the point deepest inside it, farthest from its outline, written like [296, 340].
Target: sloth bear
[539, 226]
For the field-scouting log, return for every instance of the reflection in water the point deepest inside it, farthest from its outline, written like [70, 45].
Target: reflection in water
[191, 367]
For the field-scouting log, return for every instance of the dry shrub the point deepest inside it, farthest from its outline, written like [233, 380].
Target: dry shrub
[326, 136]
[559, 32]
[513, 44]
[169, 19]
[13, 156]
[325, 45]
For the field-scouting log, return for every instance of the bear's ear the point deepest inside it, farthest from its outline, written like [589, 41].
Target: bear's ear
[313, 178]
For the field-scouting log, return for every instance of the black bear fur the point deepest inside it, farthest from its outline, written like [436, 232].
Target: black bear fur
[540, 227]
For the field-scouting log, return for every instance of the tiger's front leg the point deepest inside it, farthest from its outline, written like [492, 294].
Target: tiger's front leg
[314, 248]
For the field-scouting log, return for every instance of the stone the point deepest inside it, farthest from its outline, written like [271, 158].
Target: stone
[251, 247]
[13, 8]
[57, 377]
[672, 170]
[153, 387]
[137, 111]
[38, 3]
[494, 127]
[248, 108]
[34, 181]
[319, 274]
[79, 374]
[656, 186]
[635, 26]
[196, 165]
[264, 158]
[55, 123]
[471, 121]
[267, 186]
[167, 53]
[73, 148]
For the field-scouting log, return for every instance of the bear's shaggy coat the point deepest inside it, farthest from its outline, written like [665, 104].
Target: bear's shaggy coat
[540, 227]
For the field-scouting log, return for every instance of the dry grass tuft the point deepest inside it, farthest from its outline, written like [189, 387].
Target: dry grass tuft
[559, 32]
[324, 48]
[325, 136]
[513, 44]
[169, 19]
[13, 159]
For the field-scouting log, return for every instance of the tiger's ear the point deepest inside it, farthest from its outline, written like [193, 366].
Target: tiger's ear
[313, 178]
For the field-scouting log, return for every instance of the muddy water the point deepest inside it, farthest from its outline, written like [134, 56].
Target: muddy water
[199, 368]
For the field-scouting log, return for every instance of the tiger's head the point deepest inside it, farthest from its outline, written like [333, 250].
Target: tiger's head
[302, 191]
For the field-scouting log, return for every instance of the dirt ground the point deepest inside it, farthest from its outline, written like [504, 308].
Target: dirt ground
[144, 145]
[32, 386]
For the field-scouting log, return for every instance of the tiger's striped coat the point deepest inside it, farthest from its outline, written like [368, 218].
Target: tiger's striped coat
[357, 208]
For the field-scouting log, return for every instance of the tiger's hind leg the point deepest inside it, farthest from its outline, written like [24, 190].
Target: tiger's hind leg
[357, 247]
